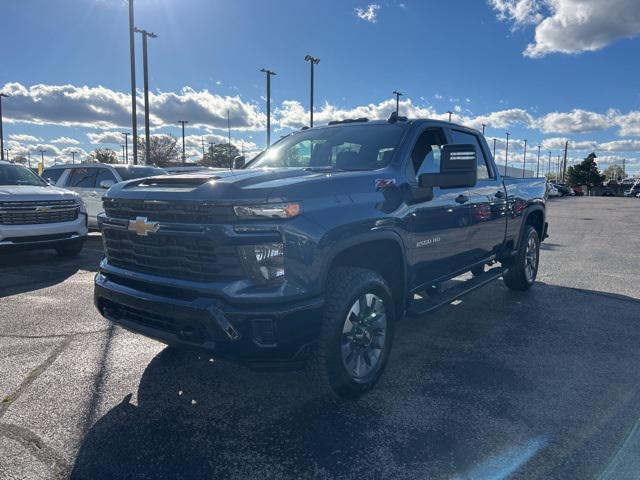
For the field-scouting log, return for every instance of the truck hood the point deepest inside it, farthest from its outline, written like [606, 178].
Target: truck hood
[26, 193]
[232, 186]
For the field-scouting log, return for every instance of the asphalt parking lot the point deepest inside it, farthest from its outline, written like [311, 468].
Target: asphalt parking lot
[542, 384]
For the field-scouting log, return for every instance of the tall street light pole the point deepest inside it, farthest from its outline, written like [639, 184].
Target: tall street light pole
[184, 157]
[1, 134]
[524, 157]
[549, 166]
[538, 169]
[483, 126]
[123, 157]
[564, 162]
[269, 74]
[450, 113]
[126, 147]
[494, 149]
[134, 113]
[42, 152]
[73, 157]
[312, 61]
[506, 155]
[398, 95]
[147, 141]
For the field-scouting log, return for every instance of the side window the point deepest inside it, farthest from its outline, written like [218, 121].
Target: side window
[52, 175]
[83, 178]
[468, 138]
[105, 174]
[425, 156]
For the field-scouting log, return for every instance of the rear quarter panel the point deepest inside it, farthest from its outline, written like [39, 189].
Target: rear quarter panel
[524, 195]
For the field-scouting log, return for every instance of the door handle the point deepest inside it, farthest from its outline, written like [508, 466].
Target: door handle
[462, 199]
[499, 194]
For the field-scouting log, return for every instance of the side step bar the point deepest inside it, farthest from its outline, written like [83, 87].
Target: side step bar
[448, 295]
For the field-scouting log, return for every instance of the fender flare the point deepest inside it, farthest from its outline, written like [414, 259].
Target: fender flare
[535, 207]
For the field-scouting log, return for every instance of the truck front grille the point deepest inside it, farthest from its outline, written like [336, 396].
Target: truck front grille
[38, 212]
[187, 257]
[173, 211]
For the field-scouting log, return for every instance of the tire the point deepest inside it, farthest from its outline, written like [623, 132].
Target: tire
[523, 268]
[70, 250]
[356, 338]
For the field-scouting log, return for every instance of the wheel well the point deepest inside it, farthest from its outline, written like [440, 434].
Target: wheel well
[382, 256]
[536, 220]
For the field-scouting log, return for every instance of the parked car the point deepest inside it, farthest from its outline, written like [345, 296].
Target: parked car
[563, 189]
[313, 251]
[552, 191]
[92, 180]
[633, 191]
[609, 192]
[34, 214]
[578, 191]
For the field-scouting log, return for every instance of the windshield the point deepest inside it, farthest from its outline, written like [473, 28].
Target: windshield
[348, 147]
[19, 175]
[129, 173]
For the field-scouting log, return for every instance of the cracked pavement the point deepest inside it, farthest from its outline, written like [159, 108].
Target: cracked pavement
[541, 384]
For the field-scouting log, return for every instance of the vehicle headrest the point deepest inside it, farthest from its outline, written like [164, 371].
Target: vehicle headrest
[350, 161]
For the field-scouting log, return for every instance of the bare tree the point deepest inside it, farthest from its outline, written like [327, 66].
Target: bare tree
[220, 155]
[163, 150]
[103, 155]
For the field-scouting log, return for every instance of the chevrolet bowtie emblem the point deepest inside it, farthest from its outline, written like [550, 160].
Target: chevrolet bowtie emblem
[143, 227]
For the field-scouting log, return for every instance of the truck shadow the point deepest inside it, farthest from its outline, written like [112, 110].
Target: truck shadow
[469, 384]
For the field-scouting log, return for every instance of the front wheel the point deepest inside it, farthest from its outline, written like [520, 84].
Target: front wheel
[356, 333]
[523, 268]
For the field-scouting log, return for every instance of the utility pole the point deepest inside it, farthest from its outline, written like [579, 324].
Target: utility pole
[506, 155]
[145, 63]
[184, 157]
[312, 61]
[123, 155]
[549, 167]
[126, 147]
[564, 163]
[538, 169]
[558, 170]
[73, 157]
[269, 74]
[524, 157]
[450, 113]
[483, 125]
[1, 134]
[132, 52]
[397, 94]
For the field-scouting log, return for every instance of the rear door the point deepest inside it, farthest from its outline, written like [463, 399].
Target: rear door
[83, 180]
[437, 228]
[487, 201]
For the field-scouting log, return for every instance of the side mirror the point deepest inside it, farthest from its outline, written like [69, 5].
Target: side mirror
[239, 161]
[458, 168]
[107, 184]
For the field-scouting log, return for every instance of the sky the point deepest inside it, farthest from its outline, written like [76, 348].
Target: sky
[543, 70]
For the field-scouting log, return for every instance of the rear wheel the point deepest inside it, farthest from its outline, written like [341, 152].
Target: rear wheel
[523, 268]
[356, 335]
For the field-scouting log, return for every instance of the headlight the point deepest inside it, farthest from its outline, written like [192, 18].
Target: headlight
[276, 210]
[265, 263]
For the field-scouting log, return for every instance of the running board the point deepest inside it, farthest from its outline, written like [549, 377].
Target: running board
[460, 288]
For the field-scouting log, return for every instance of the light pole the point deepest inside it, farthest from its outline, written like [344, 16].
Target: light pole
[1, 134]
[538, 169]
[549, 167]
[450, 113]
[524, 157]
[123, 157]
[312, 61]
[494, 149]
[506, 155]
[269, 74]
[132, 53]
[73, 157]
[483, 125]
[145, 63]
[8, 156]
[126, 147]
[202, 140]
[184, 157]
[398, 95]
[42, 152]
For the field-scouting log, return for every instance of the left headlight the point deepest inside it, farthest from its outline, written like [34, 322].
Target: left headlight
[275, 210]
[265, 263]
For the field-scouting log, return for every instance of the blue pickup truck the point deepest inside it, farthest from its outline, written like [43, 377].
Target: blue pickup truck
[311, 254]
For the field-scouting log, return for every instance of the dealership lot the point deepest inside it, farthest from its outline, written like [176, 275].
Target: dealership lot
[539, 384]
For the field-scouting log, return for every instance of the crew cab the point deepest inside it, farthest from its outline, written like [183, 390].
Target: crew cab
[313, 252]
[34, 214]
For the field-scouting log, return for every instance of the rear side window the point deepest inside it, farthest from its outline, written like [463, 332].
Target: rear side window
[52, 175]
[83, 178]
[460, 137]
[105, 174]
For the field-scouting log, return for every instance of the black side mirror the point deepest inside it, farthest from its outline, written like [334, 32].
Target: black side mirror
[458, 168]
[239, 161]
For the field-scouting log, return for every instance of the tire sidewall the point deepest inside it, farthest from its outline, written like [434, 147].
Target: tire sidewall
[531, 232]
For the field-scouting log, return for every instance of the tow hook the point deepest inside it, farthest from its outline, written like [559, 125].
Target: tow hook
[223, 323]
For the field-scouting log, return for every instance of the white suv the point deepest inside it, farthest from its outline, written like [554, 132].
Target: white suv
[92, 180]
[34, 214]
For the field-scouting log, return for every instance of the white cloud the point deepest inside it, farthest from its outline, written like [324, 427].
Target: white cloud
[629, 124]
[65, 141]
[621, 146]
[18, 137]
[106, 137]
[575, 121]
[571, 26]
[370, 14]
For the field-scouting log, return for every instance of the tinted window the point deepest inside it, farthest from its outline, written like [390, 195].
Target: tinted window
[83, 178]
[425, 155]
[52, 174]
[105, 174]
[129, 173]
[467, 138]
[19, 175]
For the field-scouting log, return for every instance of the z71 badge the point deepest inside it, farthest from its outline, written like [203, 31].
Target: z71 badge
[385, 183]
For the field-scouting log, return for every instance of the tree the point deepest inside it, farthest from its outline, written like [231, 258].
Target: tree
[614, 172]
[103, 155]
[163, 150]
[585, 173]
[220, 155]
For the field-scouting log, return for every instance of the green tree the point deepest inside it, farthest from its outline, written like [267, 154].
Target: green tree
[614, 172]
[220, 155]
[103, 155]
[585, 173]
[163, 150]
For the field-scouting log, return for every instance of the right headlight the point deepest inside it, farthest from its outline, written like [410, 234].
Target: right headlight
[265, 262]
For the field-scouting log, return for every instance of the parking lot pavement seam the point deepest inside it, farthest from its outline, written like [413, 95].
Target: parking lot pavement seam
[33, 375]
[69, 335]
[37, 448]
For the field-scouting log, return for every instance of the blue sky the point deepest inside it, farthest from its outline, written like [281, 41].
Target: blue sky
[536, 69]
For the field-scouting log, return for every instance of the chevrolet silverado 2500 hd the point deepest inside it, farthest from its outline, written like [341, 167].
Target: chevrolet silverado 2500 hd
[312, 252]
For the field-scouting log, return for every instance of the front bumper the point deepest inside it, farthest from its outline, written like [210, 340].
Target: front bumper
[270, 335]
[46, 235]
